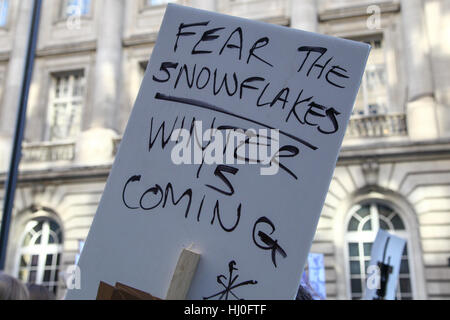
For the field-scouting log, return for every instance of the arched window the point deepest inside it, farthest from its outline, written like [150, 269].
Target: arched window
[40, 253]
[365, 221]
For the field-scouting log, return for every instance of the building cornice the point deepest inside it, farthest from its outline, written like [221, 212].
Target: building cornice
[357, 10]
[61, 175]
[140, 39]
[69, 48]
[278, 20]
[380, 152]
[150, 37]
[401, 151]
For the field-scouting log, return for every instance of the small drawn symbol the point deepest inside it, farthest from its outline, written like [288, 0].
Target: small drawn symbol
[270, 244]
[230, 285]
[385, 271]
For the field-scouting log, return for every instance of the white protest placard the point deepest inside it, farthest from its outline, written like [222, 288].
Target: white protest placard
[384, 268]
[248, 204]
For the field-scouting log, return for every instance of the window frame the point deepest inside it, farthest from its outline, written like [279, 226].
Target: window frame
[147, 5]
[62, 12]
[369, 236]
[373, 37]
[51, 100]
[335, 24]
[407, 211]
[144, 6]
[56, 249]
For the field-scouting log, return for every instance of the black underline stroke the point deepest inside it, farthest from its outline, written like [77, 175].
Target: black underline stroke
[204, 105]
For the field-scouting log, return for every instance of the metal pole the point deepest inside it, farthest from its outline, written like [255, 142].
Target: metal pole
[18, 134]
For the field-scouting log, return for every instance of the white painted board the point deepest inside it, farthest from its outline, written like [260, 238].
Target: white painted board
[301, 83]
[384, 267]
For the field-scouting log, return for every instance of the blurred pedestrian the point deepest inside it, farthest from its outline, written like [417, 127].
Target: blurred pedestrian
[39, 292]
[303, 294]
[12, 288]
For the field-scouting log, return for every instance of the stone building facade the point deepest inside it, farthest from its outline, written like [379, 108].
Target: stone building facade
[393, 171]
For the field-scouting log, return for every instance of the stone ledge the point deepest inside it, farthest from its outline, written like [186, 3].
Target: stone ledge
[140, 39]
[386, 151]
[150, 38]
[381, 152]
[75, 47]
[357, 10]
[61, 174]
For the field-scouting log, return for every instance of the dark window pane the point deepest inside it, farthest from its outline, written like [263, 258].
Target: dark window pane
[57, 259]
[355, 267]
[38, 240]
[353, 224]
[367, 248]
[364, 211]
[373, 108]
[405, 285]
[384, 210]
[34, 260]
[383, 225]
[405, 251]
[32, 278]
[367, 226]
[366, 265]
[48, 260]
[404, 267]
[54, 226]
[24, 260]
[47, 275]
[397, 223]
[51, 240]
[143, 65]
[56, 275]
[38, 227]
[356, 285]
[353, 249]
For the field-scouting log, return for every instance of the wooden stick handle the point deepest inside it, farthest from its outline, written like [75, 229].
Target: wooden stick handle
[183, 274]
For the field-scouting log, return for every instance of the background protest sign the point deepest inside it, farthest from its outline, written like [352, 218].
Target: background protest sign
[80, 249]
[313, 278]
[253, 228]
[384, 266]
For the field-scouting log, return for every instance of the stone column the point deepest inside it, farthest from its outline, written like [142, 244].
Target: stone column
[421, 107]
[437, 16]
[13, 83]
[95, 145]
[304, 15]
